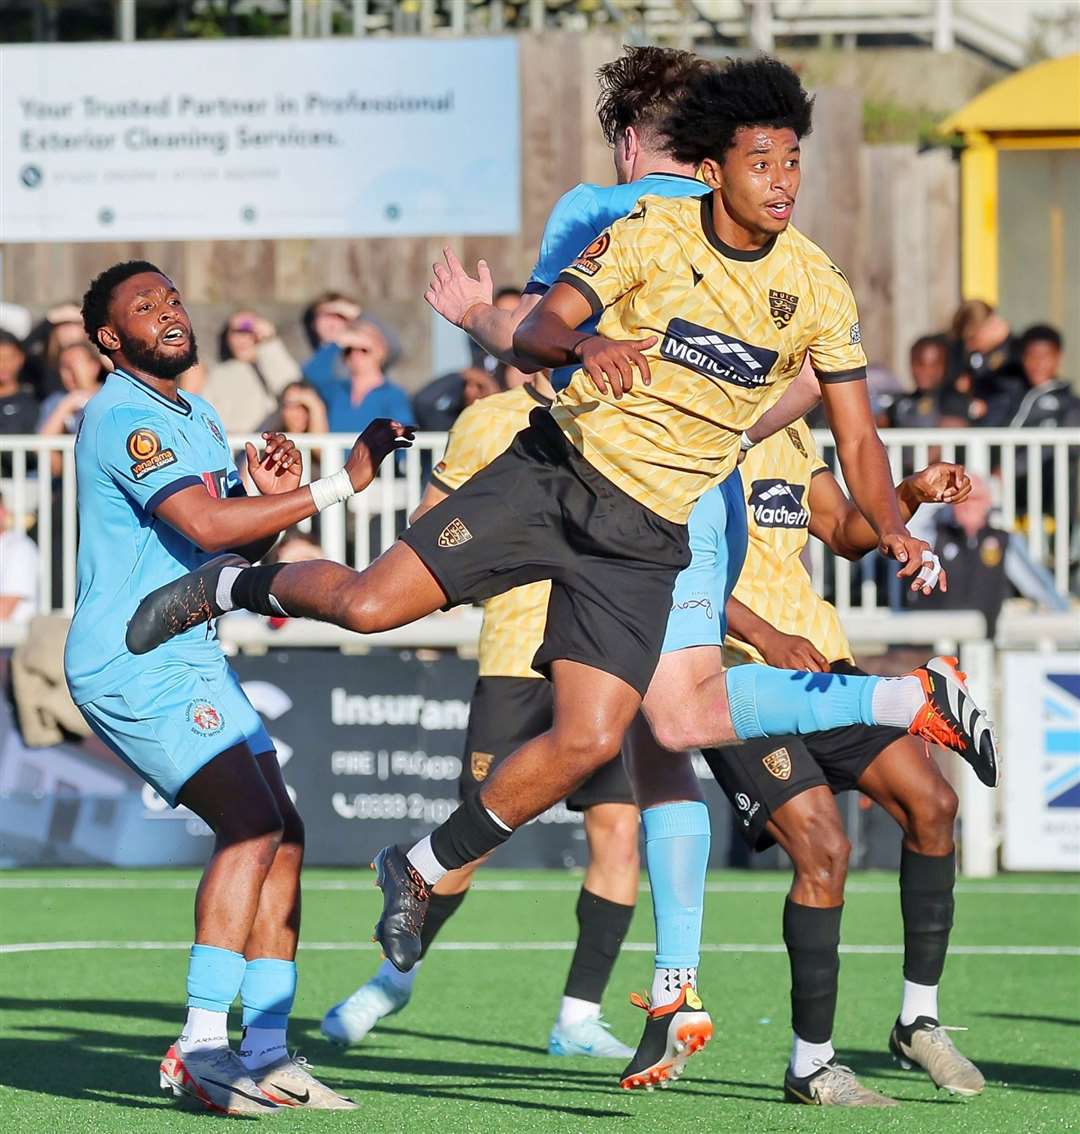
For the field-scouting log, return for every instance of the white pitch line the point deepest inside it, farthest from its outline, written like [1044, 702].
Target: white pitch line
[541, 886]
[545, 947]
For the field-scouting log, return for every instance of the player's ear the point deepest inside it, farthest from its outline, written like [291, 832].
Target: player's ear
[108, 339]
[712, 173]
[630, 143]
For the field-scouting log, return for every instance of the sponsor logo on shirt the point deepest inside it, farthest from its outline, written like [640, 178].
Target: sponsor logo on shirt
[588, 261]
[144, 448]
[716, 355]
[782, 307]
[856, 334]
[778, 504]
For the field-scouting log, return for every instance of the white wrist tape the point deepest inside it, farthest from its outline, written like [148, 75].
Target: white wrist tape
[745, 443]
[331, 490]
[931, 571]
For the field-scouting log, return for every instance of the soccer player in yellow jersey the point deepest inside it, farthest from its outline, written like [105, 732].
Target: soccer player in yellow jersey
[582, 507]
[781, 789]
[511, 704]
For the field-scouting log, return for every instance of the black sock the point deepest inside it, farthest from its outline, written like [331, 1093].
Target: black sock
[602, 926]
[441, 909]
[467, 835]
[926, 902]
[251, 589]
[812, 937]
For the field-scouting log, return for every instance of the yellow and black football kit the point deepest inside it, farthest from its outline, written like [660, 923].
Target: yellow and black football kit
[595, 495]
[760, 776]
[733, 329]
[511, 702]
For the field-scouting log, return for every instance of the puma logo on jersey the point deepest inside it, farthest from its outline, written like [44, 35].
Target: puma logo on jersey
[778, 504]
[717, 355]
[454, 534]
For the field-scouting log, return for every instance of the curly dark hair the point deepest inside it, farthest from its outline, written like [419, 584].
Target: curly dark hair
[642, 87]
[95, 304]
[720, 101]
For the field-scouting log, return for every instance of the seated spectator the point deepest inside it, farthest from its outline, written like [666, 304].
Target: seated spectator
[300, 410]
[82, 372]
[973, 552]
[930, 401]
[325, 321]
[990, 376]
[18, 407]
[255, 367]
[18, 572]
[354, 403]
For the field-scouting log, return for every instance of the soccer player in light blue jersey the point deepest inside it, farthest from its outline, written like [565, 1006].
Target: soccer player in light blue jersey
[158, 495]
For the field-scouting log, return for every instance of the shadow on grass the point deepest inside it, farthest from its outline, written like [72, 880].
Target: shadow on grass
[1024, 1017]
[1035, 1077]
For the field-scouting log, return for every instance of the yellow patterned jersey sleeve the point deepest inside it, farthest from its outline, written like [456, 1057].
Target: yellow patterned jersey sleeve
[513, 626]
[774, 583]
[732, 329]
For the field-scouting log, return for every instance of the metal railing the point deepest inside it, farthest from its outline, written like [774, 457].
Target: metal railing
[1033, 475]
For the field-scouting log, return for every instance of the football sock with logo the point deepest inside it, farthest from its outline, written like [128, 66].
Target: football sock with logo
[677, 839]
[812, 937]
[926, 902]
[267, 994]
[471, 832]
[602, 927]
[764, 701]
[250, 590]
[213, 979]
[440, 910]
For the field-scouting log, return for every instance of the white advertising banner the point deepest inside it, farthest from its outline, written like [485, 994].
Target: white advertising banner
[1041, 761]
[278, 138]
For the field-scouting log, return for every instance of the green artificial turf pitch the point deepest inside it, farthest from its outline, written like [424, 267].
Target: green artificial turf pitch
[84, 1024]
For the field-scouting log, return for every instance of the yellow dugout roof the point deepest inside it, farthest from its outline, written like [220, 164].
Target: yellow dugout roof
[1040, 99]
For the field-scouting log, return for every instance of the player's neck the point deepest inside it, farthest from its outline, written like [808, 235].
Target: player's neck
[733, 233]
[646, 165]
[166, 387]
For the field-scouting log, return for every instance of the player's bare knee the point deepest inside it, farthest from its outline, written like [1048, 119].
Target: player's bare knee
[614, 838]
[674, 731]
[821, 857]
[930, 821]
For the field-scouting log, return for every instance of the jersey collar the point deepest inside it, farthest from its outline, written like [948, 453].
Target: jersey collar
[536, 396]
[675, 176]
[725, 249]
[180, 406]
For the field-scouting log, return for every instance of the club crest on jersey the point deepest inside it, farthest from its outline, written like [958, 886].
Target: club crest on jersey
[782, 307]
[480, 764]
[212, 425]
[776, 503]
[778, 764]
[588, 261]
[204, 719]
[454, 534]
[716, 355]
[144, 448]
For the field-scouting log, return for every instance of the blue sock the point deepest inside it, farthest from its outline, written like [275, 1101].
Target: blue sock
[779, 702]
[677, 855]
[214, 977]
[267, 992]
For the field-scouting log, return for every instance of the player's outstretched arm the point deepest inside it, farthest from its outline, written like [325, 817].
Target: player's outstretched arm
[467, 303]
[548, 338]
[218, 525]
[785, 651]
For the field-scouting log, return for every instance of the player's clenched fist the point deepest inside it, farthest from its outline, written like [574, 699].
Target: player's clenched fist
[917, 559]
[610, 363]
[380, 438]
[939, 483]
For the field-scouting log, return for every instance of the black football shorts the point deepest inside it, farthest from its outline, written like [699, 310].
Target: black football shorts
[541, 511]
[508, 711]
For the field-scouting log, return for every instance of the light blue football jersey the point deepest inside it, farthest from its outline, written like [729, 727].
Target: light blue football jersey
[578, 219]
[135, 449]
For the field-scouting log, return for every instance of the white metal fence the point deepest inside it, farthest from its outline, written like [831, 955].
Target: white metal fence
[1033, 476]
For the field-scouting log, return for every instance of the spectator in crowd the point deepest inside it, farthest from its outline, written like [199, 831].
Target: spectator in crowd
[18, 406]
[255, 367]
[354, 403]
[436, 406]
[300, 410]
[325, 320]
[480, 383]
[1048, 403]
[989, 373]
[931, 402]
[971, 550]
[81, 372]
[18, 572]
